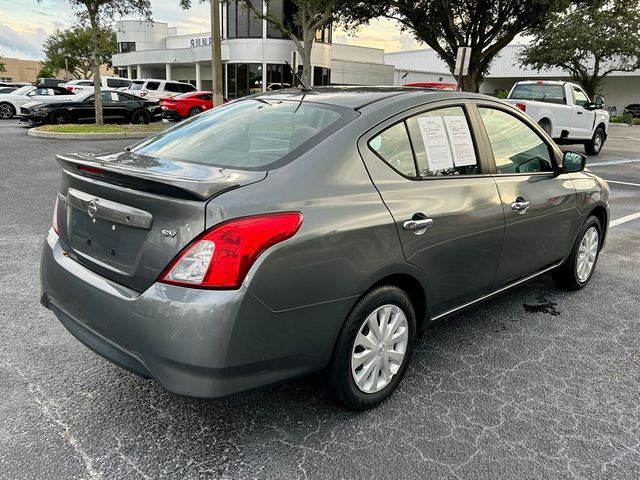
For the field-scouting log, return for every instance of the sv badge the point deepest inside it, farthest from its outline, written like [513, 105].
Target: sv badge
[169, 233]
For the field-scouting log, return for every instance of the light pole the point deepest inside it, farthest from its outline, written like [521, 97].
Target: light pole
[216, 54]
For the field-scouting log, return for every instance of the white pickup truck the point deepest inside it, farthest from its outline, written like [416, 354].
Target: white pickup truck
[564, 111]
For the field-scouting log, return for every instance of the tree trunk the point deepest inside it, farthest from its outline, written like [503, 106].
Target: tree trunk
[307, 45]
[96, 66]
[216, 55]
[471, 82]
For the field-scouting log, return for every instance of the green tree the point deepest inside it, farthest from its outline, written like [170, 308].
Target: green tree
[72, 49]
[486, 26]
[99, 13]
[46, 72]
[309, 17]
[590, 41]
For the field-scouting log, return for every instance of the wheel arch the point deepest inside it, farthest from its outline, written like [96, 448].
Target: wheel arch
[600, 212]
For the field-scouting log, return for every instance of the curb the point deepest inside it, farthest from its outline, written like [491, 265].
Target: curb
[89, 136]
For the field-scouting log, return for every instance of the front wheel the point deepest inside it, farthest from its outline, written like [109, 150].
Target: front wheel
[577, 271]
[373, 348]
[594, 146]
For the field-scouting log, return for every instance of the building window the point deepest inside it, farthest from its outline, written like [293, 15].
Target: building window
[278, 77]
[243, 79]
[324, 35]
[241, 23]
[321, 76]
[125, 47]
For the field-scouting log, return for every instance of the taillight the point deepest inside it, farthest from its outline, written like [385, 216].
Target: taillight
[521, 106]
[54, 224]
[222, 256]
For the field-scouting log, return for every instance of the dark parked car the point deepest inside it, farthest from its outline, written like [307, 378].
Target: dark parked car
[292, 232]
[117, 107]
[633, 110]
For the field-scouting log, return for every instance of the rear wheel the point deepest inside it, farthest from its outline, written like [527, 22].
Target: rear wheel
[593, 146]
[6, 110]
[140, 117]
[195, 111]
[60, 118]
[373, 348]
[577, 271]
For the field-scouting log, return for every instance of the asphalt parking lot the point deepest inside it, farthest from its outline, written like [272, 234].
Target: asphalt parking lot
[538, 383]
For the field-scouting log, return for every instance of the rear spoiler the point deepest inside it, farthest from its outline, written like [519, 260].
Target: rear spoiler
[187, 180]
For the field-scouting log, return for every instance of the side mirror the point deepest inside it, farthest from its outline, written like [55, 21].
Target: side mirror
[573, 162]
[599, 101]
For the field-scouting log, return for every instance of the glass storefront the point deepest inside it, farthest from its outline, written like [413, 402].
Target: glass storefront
[321, 76]
[243, 79]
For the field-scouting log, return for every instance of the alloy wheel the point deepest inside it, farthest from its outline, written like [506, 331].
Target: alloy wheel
[597, 142]
[6, 111]
[587, 254]
[379, 348]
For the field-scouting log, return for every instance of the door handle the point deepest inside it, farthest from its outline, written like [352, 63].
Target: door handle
[417, 226]
[579, 112]
[520, 205]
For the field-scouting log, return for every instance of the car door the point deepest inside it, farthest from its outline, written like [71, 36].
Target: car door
[111, 107]
[582, 119]
[447, 212]
[538, 201]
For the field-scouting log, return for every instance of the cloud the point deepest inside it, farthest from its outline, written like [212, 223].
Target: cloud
[381, 33]
[26, 43]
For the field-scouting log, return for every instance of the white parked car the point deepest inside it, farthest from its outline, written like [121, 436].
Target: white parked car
[156, 89]
[564, 111]
[115, 83]
[10, 103]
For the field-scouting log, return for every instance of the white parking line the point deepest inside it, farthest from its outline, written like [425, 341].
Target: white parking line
[623, 183]
[614, 162]
[628, 218]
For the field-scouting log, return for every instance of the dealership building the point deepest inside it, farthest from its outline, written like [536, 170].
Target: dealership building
[254, 56]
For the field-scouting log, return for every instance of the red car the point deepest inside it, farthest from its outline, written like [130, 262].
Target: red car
[437, 85]
[186, 105]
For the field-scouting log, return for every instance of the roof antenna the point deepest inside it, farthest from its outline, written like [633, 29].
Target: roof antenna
[305, 88]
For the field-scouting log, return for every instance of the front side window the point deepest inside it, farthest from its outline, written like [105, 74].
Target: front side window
[580, 97]
[153, 85]
[443, 143]
[393, 146]
[250, 134]
[516, 147]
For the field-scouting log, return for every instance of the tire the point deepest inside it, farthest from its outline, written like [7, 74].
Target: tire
[7, 110]
[140, 117]
[384, 364]
[195, 111]
[594, 146]
[569, 274]
[546, 126]
[59, 118]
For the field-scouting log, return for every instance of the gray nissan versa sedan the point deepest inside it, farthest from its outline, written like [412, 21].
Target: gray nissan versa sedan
[292, 232]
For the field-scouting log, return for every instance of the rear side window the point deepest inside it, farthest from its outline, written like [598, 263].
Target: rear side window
[516, 147]
[393, 146]
[186, 88]
[249, 134]
[173, 87]
[539, 92]
[206, 96]
[443, 143]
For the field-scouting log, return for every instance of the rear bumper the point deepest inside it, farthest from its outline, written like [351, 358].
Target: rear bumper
[197, 343]
[171, 115]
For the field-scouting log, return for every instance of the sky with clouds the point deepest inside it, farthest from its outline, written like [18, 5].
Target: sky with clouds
[25, 25]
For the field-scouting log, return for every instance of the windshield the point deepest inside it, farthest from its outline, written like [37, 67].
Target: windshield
[539, 92]
[249, 134]
[136, 86]
[23, 90]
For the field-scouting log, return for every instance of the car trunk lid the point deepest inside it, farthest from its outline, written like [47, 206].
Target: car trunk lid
[126, 216]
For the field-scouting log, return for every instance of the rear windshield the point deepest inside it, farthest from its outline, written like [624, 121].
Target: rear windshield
[539, 93]
[248, 134]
